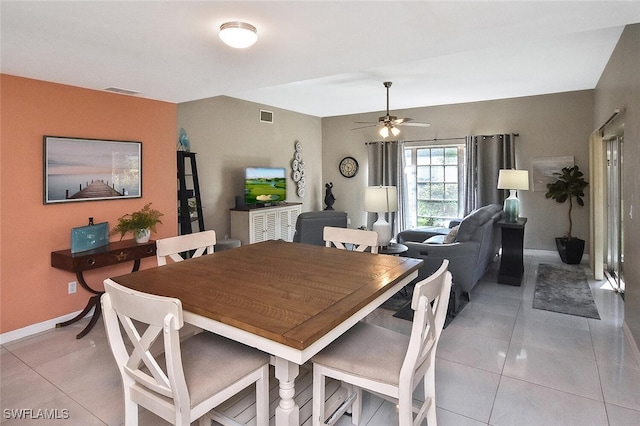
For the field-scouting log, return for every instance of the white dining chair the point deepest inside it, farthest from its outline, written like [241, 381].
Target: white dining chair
[387, 363]
[357, 239]
[172, 247]
[187, 379]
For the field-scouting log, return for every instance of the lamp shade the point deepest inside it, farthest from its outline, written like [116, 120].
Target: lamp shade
[238, 34]
[513, 179]
[381, 199]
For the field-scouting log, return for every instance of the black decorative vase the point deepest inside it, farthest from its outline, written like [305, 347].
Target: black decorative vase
[570, 250]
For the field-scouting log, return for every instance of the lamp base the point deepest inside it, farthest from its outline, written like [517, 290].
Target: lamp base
[382, 227]
[511, 207]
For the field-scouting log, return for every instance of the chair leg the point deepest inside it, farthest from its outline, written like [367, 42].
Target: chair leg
[431, 414]
[318, 396]
[356, 407]
[430, 392]
[405, 410]
[262, 398]
[130, 411]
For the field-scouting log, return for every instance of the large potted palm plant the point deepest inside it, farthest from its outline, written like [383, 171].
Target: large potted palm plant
[569, 186]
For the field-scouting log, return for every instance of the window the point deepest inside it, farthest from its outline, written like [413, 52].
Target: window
[435, 184]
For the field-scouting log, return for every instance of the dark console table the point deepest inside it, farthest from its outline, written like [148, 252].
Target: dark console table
[511, 262]
[111, 254]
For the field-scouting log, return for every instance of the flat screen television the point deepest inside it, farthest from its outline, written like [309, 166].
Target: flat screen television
[265, 185]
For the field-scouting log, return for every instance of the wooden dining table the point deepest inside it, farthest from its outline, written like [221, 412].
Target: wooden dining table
[287, 299]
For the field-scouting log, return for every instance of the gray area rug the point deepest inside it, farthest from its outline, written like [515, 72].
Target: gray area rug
[564, 289]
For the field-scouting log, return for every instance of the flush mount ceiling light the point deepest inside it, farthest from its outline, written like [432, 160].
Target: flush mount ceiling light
[238, 34]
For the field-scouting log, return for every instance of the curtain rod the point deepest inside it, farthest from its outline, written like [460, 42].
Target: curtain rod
[614, 115]
[418, 140]
[445, 139]
[498, 134]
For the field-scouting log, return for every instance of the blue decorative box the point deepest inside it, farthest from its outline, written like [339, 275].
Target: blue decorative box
[89, 237]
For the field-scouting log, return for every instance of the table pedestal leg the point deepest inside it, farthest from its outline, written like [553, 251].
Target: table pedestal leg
[94, 301]
[287, 412]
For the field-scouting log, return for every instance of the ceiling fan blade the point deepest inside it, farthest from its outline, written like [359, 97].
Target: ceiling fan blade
[415, 124]
[364, 127]
[389, 120]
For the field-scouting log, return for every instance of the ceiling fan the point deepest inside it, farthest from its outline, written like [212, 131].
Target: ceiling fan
[389, 123]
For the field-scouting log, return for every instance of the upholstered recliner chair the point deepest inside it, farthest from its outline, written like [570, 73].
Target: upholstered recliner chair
[310, 225]
[470, 248]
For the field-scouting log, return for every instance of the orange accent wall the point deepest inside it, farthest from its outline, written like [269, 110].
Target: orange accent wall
[31, 291]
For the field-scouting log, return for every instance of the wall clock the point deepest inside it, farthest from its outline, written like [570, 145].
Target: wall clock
[348, 167]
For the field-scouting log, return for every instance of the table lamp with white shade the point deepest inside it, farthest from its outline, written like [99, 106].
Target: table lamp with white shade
[381, 199]
[513, 180]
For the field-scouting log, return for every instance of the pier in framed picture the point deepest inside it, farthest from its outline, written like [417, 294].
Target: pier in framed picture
[91, 169]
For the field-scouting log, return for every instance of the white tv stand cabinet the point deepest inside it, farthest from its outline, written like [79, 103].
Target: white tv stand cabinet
[255, 224]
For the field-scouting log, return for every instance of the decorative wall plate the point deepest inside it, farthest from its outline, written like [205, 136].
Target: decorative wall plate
[297, 169]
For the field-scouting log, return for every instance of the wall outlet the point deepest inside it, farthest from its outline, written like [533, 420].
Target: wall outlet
[72, 287]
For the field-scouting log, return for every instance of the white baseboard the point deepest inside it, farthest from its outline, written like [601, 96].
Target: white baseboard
[37, 328]
[533, 252]
[632, 342]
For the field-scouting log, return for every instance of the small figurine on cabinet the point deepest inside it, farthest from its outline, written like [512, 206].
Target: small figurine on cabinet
[329, 199]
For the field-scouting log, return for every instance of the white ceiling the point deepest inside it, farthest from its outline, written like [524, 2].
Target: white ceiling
[323, 58]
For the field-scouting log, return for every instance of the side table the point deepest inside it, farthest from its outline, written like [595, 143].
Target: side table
[511, 261]
[111, 254]
[394, 249]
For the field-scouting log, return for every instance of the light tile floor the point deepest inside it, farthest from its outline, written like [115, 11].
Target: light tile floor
[500, 362]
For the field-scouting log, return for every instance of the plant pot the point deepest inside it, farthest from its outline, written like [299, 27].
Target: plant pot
[142, 235]
[570, 250]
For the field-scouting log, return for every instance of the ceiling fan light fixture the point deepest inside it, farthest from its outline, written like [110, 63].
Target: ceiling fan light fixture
[389, 123]
[388, 128]
[238, 34]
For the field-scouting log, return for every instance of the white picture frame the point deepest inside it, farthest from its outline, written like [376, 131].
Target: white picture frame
[543, 169]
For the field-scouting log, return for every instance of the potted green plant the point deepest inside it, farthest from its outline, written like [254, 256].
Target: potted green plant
[193, 207]
[140, 223]
[570, 185]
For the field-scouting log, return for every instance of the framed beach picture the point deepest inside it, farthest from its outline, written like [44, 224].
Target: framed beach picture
[543, 169]
[91, 169]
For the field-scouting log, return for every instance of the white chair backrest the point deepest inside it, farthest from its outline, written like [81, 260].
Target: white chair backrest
[172, 247]
[359, 239]
[430, 301]
[162, 317]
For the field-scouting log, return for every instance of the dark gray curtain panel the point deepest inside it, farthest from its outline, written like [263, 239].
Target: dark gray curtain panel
[386, 168]
[486, 155]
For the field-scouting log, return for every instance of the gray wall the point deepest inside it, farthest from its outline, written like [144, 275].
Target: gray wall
[549, 125]
[619, 87]
[227, 136]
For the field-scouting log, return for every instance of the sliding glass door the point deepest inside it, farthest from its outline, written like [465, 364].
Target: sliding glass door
[615, 217]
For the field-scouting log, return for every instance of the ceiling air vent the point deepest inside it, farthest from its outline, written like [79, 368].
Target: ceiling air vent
[121, 91]
[266, 116]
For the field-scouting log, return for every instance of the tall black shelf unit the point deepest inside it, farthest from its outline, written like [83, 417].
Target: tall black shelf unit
[188, 190]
